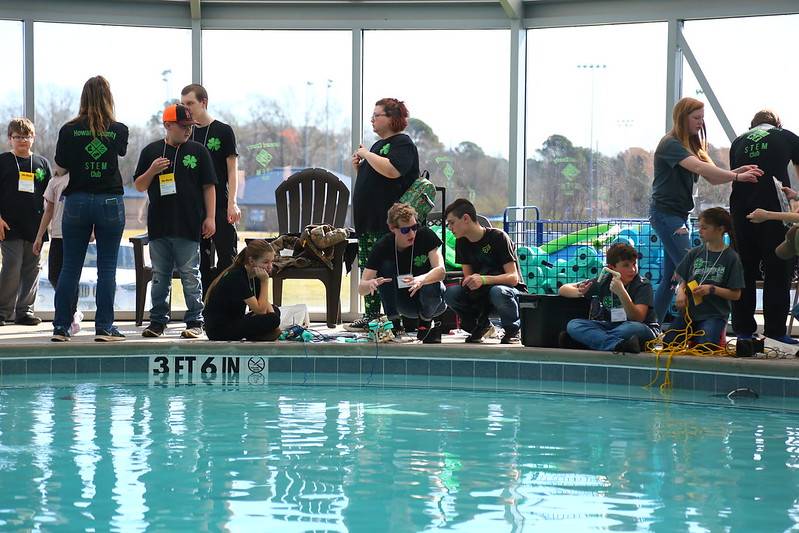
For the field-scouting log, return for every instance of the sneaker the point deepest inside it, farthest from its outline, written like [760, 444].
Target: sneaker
[787, 250]
[28, 320]
[111, 334]
[2, 322]
[360, 325]
[479, 332]
[77, 318]
[429, 332]
[631, 345]
[400, 335]
[411, 324]
[60, 335]
[193, 330]
[512, 335]
[785, 339]
[155, 329]
[565, 341]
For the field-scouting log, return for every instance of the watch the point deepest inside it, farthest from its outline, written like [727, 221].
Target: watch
[712, 289]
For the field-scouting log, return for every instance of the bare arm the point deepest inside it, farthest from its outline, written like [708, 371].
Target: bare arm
[47, 216]
[761, 215]
[716, 176]
[142, 183]
[209, 224]
[261, 305]
[379, 163]
[233, 211]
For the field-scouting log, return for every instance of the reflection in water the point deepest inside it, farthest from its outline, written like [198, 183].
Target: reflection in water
[242, 458]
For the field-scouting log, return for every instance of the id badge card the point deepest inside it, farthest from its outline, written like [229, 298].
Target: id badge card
[617, 314]
[401, 283]
[167, 182]
[25, 181]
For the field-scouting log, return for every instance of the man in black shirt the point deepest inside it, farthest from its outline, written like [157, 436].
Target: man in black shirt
[220, 141]
[771, 148]
[406, 267]
[23, 179]
[179, 178]
[491, 277]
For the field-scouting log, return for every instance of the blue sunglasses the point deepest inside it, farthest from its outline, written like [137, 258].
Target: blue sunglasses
[409, 229]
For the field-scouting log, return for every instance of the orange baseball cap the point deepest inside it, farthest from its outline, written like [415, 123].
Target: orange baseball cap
[178, 113]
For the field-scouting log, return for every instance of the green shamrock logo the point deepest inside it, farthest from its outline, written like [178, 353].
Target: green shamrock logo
[385, 149]
[190, 161]
[420, 260]
[214, 144]
[39, 174]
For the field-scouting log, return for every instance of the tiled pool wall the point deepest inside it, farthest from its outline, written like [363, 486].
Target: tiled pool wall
[399, 371]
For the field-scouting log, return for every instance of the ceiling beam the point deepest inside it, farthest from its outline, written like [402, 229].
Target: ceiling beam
[513, 8]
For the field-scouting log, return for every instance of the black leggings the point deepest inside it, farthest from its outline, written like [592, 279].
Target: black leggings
[251, 327]
[225, 242]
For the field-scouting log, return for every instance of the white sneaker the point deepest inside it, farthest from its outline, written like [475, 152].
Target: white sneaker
[77, 318]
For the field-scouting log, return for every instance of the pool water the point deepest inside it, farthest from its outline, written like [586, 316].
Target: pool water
[131, 456]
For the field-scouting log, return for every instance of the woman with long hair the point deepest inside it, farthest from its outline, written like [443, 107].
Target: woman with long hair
[244, 284]
[385, 171]
[680, 158]
[88, 148]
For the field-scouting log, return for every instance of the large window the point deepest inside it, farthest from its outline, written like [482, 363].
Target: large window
[456, 86]
[142, 83]
[594, 117]
[288, 96]
[11, 82]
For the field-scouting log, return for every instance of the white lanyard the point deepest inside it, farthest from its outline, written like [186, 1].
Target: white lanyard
[707, 272]
[205, 142]
[17, 162]
[396, 258]
[175, 162]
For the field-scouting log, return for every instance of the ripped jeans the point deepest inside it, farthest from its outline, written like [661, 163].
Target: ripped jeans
[674, 233]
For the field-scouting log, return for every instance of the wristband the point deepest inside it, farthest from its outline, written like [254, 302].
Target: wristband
[712, 289]
[483, 278]
[735, 177]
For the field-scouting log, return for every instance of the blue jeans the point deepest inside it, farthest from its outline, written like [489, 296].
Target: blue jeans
[675, 246]
[605, 336]
[426, 304]
[105, 213]
[168, 254]
[501, 300]
[713, 328]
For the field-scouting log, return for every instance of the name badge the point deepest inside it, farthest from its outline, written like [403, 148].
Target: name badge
[617, 314]
[25, 181]
[167, 182]
[401, 283]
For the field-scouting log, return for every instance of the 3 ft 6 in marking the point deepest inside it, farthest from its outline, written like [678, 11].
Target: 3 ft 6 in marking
[191, 365]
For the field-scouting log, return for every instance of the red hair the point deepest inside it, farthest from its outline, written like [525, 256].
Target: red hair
[396, 111]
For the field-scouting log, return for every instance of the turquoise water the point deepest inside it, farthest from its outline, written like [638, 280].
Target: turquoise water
[131, 457]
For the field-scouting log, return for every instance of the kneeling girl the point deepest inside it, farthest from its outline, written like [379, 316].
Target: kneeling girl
[244, 284]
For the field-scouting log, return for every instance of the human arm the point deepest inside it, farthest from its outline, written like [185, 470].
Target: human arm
[370, 282]
[761, 215]
[209, 224]
[145, 179]
[634, 311]
[716, 176]
[47, 216]
[509, 277]
[576, 290]
[434, 275]
[233, 211]
[3, 228]
[261, 305]
[681, 299]
[721, 292]
[381, 164]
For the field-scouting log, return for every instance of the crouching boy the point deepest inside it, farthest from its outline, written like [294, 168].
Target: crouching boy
[622, 318]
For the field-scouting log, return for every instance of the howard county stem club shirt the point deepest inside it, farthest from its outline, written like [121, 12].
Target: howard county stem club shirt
[92, 161]
[181, 213]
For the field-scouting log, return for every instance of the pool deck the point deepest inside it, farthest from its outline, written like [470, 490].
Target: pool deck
[34, 342]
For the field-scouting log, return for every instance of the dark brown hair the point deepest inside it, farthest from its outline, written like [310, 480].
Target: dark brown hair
[255, 249]
[96, 105]
[21, 126]
[621, 251]
[766, 116]
[199, 92]
[460, 207]
[396, 112]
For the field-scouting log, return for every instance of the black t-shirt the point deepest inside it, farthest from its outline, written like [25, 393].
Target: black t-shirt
[640, 292]
[488, 255]
[673, 187]
[771, 149]
[722, 269]
[374, 193]
[220, 141]
[418, 264]
[92, 161]
[177, 215]
[22, 211]
[226, 302]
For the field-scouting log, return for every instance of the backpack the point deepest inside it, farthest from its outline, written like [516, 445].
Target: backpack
[421, 195]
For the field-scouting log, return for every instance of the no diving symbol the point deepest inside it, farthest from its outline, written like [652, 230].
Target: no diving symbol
[256, 364]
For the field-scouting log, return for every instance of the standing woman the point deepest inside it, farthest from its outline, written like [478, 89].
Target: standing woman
[680, 158]
[88, 148]
[385, 172]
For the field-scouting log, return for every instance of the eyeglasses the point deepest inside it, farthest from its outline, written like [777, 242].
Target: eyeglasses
[406, 230]
[375, 115]
[21, 138]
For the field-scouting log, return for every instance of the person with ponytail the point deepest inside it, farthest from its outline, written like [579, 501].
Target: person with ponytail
[88, 148]
[244, 284]
[680, 158]
[718, 274]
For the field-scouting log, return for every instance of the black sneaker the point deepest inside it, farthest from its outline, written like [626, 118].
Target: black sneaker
[360, 325]
[2, 322]
[479, 332]
[111, 334]
[564, 341]
[631, 345]
[411, 324]
[400, 335]
[28, 320]
[511, 336]
[431, 334]
[155, 329]
[60, 335]
[193, 330]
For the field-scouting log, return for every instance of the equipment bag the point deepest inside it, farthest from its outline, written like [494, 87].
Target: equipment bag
[421, 195]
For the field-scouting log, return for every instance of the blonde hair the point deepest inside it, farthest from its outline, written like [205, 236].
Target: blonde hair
[96, 105]
[399, 212]
[255, 249]
[696, 144]
[22, 126]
